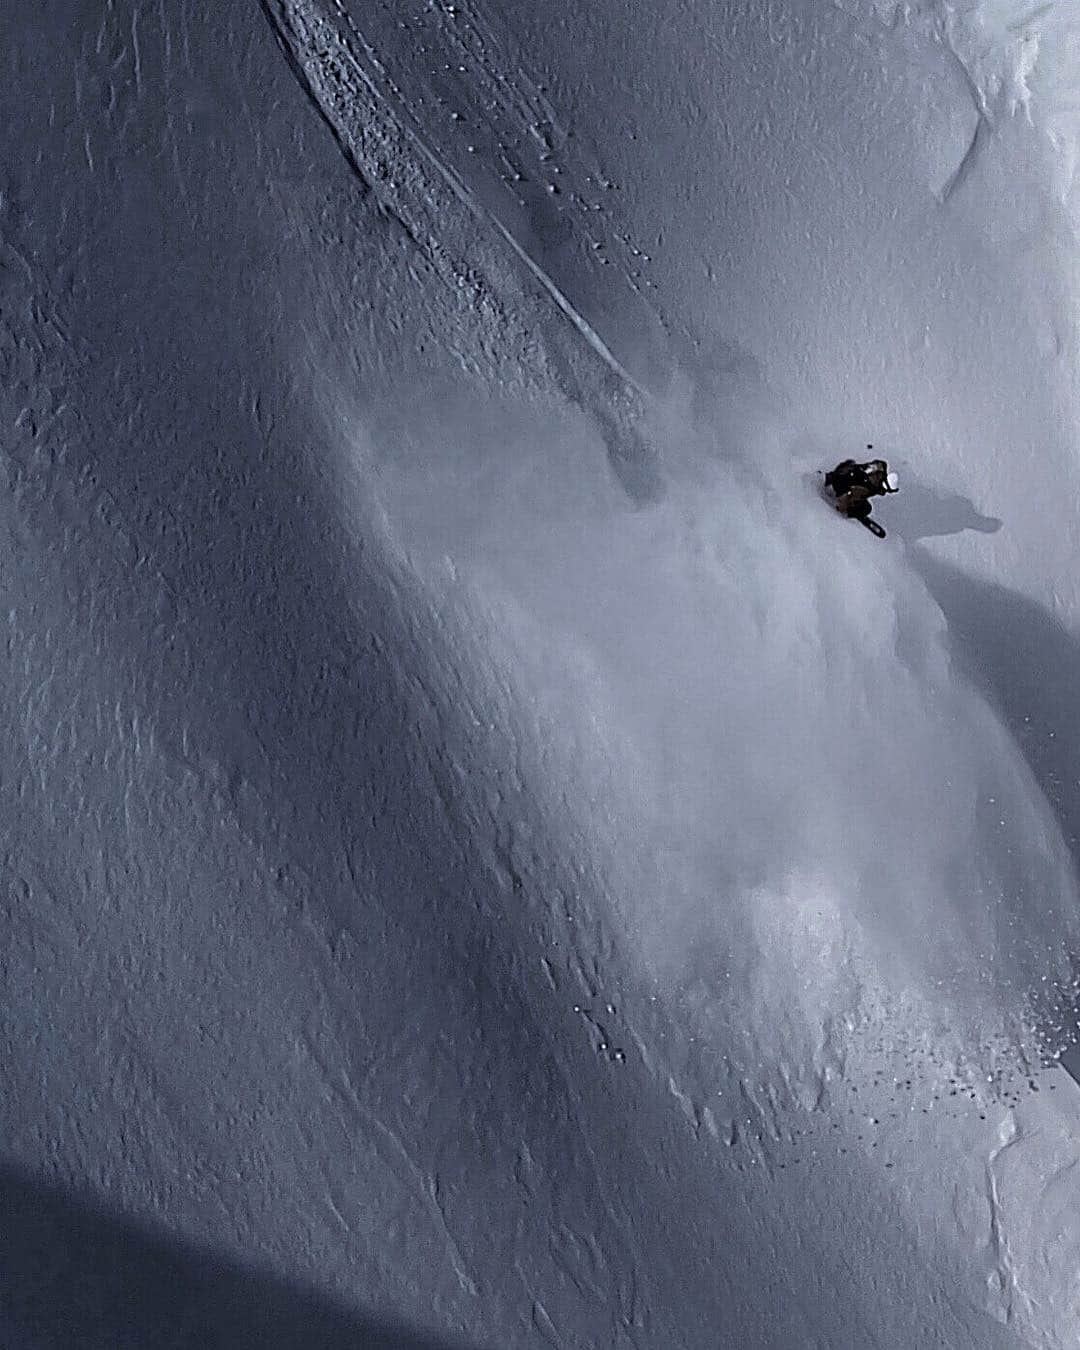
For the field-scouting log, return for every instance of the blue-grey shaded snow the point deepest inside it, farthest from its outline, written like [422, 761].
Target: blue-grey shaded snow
[491, 859]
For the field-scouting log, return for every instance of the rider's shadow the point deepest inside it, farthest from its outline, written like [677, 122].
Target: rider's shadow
[917, 512]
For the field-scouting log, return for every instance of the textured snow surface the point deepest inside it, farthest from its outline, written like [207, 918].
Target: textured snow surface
[490, 859]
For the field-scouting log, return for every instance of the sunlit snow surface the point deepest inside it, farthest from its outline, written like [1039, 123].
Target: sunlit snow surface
[492, 859]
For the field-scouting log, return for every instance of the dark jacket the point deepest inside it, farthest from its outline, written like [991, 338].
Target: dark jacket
[868, 478]
[852, 486]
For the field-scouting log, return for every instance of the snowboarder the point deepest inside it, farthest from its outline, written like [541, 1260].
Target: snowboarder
[852, 486]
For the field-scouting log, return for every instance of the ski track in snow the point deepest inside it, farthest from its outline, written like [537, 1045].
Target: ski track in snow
[515, 135]
[342, 75]
[470, 204]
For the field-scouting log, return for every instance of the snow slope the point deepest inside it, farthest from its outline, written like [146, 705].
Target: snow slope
[491, 860]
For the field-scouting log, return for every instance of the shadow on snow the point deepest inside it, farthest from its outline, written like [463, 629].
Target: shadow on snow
[1028, 667]
[74, 1274]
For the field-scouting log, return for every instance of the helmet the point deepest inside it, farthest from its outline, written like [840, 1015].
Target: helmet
[892, 481]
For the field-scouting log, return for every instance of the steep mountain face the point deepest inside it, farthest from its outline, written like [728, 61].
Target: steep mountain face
[492, 859]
